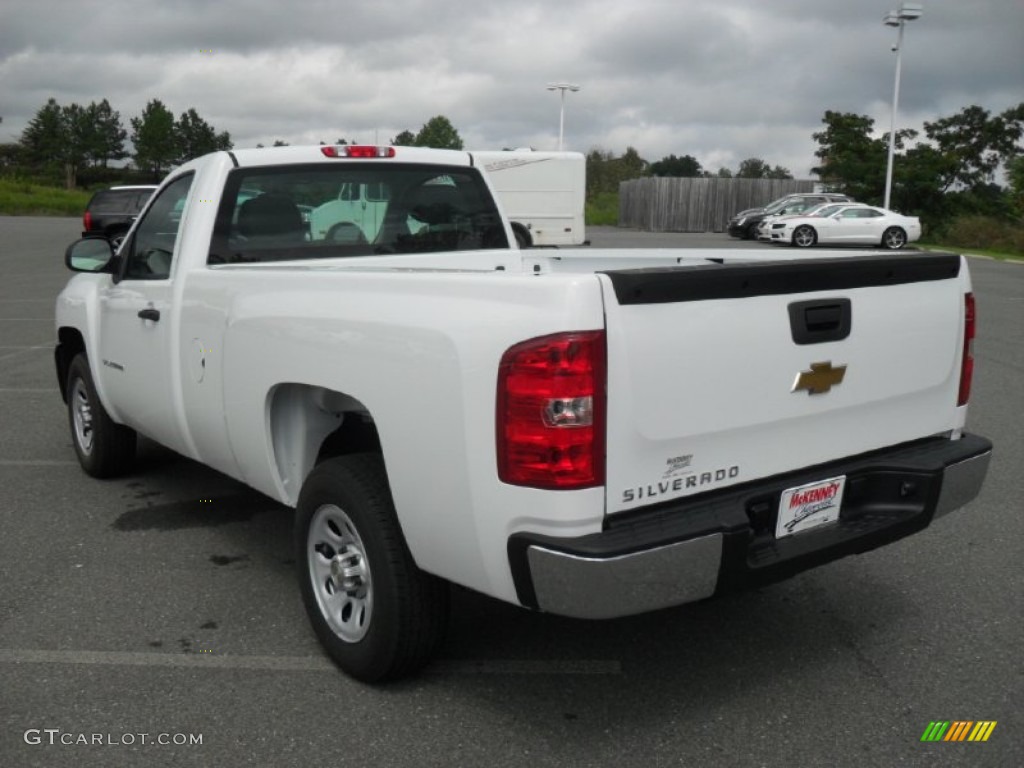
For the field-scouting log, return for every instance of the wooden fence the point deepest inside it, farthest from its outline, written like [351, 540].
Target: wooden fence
[661, 204]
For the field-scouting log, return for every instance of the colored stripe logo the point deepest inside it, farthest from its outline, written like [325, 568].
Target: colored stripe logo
[959, 730]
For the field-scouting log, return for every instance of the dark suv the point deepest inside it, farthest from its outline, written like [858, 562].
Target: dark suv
[744, 224]
[110, 212]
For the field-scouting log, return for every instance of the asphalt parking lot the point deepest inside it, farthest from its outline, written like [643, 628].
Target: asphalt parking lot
[165, 604]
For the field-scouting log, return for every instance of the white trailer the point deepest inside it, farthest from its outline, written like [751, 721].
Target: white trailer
[542, 194]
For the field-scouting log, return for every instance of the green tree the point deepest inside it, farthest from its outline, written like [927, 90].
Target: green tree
[80, 140]
[851, 160]
[1015, 175]
[44, 137]
[724, 173]
[752, 168]
[59, 139]
[153, 135]
[404, 139]
[685, 167]
[107, 135]
[605, 171]
[11, 156]
[975, 144]
[194, 137]
[438, 132]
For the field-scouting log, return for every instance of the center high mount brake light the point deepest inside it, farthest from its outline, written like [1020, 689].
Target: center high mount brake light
[361, 151]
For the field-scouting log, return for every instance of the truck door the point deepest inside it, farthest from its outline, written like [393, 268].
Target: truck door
[137, 322]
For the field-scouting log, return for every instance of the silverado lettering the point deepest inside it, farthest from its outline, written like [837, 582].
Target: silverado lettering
[691, 480]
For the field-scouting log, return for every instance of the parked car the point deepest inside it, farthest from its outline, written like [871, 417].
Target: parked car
[764, 229]
[744, 224]
[110, 212]
[850, 225]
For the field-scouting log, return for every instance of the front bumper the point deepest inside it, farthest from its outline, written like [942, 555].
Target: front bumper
[687, 550]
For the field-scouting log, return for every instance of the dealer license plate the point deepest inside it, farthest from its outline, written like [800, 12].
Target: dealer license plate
[810, 506]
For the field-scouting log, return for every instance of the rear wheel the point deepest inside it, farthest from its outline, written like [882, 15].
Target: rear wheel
[523, 239]
[377, 614]
[346, 233]
[104, 448]
[894, 238]
[804, 236]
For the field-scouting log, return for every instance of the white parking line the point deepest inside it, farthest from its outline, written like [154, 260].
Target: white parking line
[23, 350]
[29, 389]
[301, 663]
[35, 463]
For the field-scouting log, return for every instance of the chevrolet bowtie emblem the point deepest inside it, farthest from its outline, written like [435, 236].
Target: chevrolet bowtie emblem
[820, 379]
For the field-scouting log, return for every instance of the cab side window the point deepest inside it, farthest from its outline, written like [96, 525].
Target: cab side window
[152, 247]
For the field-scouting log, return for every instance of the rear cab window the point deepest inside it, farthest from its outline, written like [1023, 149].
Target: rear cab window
[359, 209]
[119, 200]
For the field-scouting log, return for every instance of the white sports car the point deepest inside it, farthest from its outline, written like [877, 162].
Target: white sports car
[850, 224]
[764, 229]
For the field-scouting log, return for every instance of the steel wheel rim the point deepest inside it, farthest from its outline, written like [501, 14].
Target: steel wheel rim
[81, 412]
[803, 237]
[339, 572]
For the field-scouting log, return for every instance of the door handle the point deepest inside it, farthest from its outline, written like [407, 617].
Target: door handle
[150, 314]
[815, 322]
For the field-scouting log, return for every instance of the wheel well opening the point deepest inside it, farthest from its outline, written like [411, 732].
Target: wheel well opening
[311, 424]
[357, 434]
[69, 344]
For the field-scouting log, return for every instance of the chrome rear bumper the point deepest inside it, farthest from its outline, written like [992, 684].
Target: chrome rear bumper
[685, 551]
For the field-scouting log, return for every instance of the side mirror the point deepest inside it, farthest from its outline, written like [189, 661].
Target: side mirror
[91, 254]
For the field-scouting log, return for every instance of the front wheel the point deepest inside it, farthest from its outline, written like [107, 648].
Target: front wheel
[894, 238]
[104, 447]
[377, 614]
[804, 236]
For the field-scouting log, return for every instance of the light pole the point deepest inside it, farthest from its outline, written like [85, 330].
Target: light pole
[563, 87]
[907, 12]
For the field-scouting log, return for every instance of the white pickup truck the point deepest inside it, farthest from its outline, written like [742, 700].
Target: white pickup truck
[595, 433]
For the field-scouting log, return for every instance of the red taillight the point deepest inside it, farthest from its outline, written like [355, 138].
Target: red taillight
[551, 412]
[357, 151]
[87, 221]
[967, 364]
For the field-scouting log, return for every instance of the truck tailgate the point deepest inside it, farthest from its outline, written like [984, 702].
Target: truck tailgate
[725, 373]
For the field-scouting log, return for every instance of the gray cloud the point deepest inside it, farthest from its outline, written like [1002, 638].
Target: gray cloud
[718, 79]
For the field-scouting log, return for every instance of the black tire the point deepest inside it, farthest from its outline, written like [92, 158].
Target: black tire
[104, 448]
[377, 614]
[894, 238]
[804, 236]
[523, 239]
[751, 232]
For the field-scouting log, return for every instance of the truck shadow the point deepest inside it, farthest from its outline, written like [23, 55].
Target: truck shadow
[571, 679]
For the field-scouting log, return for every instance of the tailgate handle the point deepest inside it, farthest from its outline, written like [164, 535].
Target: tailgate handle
[815, 322]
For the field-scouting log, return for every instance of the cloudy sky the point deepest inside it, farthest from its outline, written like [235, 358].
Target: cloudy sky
[721, 80]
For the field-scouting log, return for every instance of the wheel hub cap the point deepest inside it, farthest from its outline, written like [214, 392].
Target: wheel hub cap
[339, 573]
[348, 569]
[82, 412]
